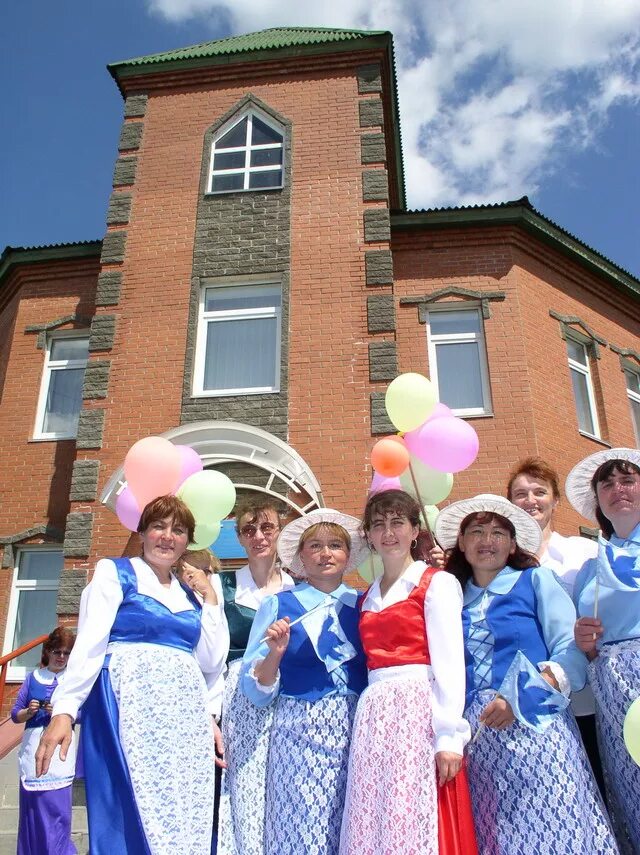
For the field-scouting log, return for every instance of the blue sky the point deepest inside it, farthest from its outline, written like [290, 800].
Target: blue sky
[498, 100]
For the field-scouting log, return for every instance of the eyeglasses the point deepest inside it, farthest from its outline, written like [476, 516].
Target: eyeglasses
[61, 652]
[250, 530]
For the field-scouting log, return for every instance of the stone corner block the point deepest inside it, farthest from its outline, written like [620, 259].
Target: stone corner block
[377, 225]
[372, 148]
[380, 422]
[135, 106]
[124, 172]
[108, 290]
[113, 246]
[130, 136]
[369, 78]
[90, 429]
[103, 330]
[84, 481]
[96, 379]
[77, 537]
[381, 314]
[383, 360]
[378, 267]
[375, 185]
[370, 112]
[119, 209]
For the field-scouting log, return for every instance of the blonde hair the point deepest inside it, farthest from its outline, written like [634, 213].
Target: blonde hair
[202, 559]
[330, 527]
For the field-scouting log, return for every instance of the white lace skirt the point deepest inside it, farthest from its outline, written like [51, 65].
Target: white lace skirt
[246, 729]
[391, 804]
[167, 740]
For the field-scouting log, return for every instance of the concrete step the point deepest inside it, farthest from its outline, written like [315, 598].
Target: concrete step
[8, 842]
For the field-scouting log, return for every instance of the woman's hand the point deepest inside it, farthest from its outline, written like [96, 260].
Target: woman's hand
[435, 557]
[219, 744]
[278, 636]
[548, 675]
[498, 714]
[28, 712]
[448, 765]
[200, 582]
[587, 631]
[58, 733]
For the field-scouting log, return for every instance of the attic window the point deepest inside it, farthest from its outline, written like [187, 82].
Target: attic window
[247, 155]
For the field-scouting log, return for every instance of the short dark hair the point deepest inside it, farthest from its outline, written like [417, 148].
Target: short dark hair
[253, 505]
[537, 468]
[391, 502]
[167, 506]
[456, 561]
[622, 467]
[60, 637]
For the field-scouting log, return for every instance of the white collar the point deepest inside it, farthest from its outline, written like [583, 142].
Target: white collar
[46, 677]
[247, 592]
[409, 580]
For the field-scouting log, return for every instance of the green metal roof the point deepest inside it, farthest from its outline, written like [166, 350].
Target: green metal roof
[521, 213]
[264, 40]
[12, 255]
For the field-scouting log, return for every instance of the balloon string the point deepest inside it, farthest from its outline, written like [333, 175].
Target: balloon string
[421, 503]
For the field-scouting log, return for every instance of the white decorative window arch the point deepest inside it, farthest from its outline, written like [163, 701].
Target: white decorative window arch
[247, 153]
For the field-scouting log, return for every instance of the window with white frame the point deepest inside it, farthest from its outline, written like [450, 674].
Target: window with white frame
[32, 604]
[632, 376]
[458, 359]
[238, 340]
[247, 156]
[580, 369]
[60, 399]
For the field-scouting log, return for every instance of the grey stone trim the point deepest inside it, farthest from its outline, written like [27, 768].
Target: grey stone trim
[8, 541]
[103, 330]
[124, 172]
[383, 360]
[372, 148]
[377, 225]
[113, 246]
[378, 267]
[585, 333]
[380, 422]
[84, 481]
[130, 136]
[96, 379]
[90, 428]
[119, 209]
[370, 112]
[108, 290]
[381, 314]
[424, 302]
[369, 78]
[135, 106]
[625, 354]
[77, 538]
[42, 329]
[72, 584]
[375, 185]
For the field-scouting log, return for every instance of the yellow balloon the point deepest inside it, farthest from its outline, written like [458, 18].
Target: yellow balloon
[410, 400]
[371, 568]
[631, 731]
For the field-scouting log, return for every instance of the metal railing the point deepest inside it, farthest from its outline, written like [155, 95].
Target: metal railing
[9, 657]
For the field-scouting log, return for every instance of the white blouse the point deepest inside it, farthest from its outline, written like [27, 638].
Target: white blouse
[442, 615]
[99, 605]
[248, 594]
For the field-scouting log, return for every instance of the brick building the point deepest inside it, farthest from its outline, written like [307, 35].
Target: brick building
[259, 283]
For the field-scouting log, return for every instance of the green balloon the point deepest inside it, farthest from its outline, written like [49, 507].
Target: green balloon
[371, 568]
[433, 486]
[209, 495]
[631, 731]
[409, 400]
[431, 512]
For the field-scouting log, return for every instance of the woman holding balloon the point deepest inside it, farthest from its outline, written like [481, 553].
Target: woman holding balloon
[605, 488]
[145, 650]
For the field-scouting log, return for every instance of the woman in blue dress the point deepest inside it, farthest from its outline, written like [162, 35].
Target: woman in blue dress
[605, 488]
[145, 645]
[531, 784]
[304, 654]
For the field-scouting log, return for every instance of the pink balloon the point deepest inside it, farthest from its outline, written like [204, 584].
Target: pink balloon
[190, 462]
[380, 482]
[448, 444]
[439, 411]
[127, 510]
[152, 468]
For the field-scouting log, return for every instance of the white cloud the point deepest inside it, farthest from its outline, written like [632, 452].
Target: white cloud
[494, 95]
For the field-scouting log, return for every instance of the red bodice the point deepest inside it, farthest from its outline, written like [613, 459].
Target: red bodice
[397, 635]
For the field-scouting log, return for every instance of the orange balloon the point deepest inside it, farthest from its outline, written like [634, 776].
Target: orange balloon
[390, 456]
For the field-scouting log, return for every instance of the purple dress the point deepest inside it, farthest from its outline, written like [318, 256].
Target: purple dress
[45, 803]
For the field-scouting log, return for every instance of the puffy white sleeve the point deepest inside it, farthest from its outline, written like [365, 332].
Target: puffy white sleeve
[99, 605]
[213, 647]
[443, 617]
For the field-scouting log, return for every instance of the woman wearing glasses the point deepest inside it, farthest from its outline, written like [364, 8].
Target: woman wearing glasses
[45, 803]
[246, 727]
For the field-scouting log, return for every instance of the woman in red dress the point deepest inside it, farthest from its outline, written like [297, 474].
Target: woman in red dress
[407, 791]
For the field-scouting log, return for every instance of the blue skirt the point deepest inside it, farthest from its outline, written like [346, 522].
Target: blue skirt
[615, 680]
[534, 793]
[45, 822]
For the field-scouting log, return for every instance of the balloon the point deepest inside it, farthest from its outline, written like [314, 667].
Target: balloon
[434, 486]
[371, 568]
[631, 731]
[439, 411]
[209, 495]
[431, 512]
[127, 509]
[380, 483]
[448, 444]
[205, 535]
[152, 468]
[389, 456]
[409, 400]
[190, 462]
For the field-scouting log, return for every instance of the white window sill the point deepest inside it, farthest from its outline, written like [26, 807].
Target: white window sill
[233, 393]
[50, 438]
[597, 439]
[465, 414]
